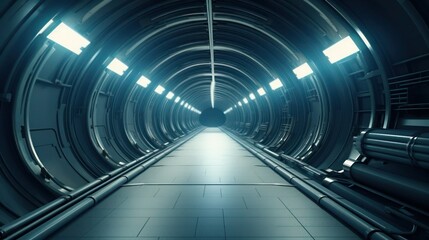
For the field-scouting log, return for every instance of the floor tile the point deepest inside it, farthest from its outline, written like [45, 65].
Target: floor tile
[255, 213]
[145, 202]
[309, 212]
[77, 228]
[319, 222]
[257, 202]
[170, 227]
[210, 227]
[168, 213]
[210, 202]
[330, 232]
[239, 191]
[117, 227]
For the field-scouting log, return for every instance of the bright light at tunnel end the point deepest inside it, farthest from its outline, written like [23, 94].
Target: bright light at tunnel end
[117, 66]
[341, 50]
[68, 38]
[275, 84]
[303, 71]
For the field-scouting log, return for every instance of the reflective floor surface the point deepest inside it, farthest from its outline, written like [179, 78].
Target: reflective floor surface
[209, 188]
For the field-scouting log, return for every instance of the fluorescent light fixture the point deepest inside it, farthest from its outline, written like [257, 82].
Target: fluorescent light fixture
[303, 71]
[261, 92]
[276, 83]
[341, 49]
[45, 27]
[212, 87]
[169, 95]
[68, 38]
[189, 107]
[160, 89]
[195, 110]
[177, 99]
[252, 96]
[239, 104]
[143, 81]
[228, 110]
[117, 66]
[235, 105]
[186, 105]
[245, 100]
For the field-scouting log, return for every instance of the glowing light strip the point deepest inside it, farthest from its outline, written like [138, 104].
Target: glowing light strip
[212, 92]
[228, 110]
[210, 27]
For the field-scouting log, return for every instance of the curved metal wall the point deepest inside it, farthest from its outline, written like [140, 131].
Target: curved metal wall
[65, 119]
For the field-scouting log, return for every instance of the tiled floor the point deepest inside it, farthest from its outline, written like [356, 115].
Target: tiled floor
[209, 188]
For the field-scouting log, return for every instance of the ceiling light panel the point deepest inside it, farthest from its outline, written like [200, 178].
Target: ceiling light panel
[143, 81]
[169, 95]
[261, 92]
[303, 71]
[160, 89]
[341, 50]
[117, 66]
[68, 38]
[275, 84]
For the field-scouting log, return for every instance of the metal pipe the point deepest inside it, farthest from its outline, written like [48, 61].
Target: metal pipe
[406, 189]
[18, 227]
[327, 201]
[370, 207]
[399, 146]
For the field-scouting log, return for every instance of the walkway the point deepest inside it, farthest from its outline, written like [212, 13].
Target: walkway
[209, 188]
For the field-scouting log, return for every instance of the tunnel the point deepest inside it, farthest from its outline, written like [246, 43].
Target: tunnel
[215, 119]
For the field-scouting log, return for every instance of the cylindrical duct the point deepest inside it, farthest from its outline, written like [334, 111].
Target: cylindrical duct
[406, 189]
[400, 146]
